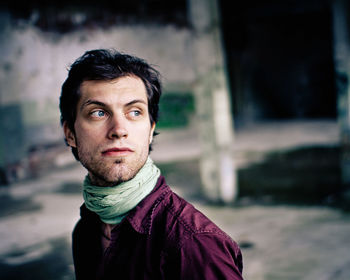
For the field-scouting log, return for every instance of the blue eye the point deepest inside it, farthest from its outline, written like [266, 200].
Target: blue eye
[135, 113]
[98, 113]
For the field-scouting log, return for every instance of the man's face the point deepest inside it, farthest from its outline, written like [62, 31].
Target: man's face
[112, 129]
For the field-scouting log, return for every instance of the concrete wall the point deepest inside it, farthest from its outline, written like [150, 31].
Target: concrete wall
[33, 66]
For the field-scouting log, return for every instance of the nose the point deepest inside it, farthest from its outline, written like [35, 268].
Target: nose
[117, 128]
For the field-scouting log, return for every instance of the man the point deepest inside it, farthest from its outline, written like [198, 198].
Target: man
[132, 225]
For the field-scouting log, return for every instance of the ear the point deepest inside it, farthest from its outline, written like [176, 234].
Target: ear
[70, 136]
[151, 132]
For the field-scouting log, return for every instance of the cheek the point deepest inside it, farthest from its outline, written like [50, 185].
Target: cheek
[83, 130]
[144, 133]
[87, 137]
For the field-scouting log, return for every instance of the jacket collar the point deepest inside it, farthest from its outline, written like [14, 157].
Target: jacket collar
[141, 216]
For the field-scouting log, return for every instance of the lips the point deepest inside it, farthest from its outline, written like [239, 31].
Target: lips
[117, 151]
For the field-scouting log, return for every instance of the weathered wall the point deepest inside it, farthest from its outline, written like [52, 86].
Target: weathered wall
[33, 66]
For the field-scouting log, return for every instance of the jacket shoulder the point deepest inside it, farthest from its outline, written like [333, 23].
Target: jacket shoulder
[198, 242]
[192, 220]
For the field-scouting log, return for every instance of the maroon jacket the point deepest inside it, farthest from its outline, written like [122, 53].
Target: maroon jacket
[164, 237]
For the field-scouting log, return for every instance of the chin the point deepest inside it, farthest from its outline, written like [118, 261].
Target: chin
[123, 174]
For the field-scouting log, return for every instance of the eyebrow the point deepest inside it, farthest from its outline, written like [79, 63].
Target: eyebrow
[136, 101]
[99, 103]
[92, 102]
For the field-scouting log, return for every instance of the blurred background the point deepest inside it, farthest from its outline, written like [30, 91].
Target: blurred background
[254, 125]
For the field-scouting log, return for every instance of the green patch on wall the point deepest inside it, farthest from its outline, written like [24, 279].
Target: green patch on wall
[36, 113]
[175, 110]
[12, 141]
[11, 206]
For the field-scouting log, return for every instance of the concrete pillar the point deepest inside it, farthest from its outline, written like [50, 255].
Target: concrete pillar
[214, 116]
[342, 71]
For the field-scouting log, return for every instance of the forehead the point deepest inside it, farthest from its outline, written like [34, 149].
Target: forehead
[121, 89]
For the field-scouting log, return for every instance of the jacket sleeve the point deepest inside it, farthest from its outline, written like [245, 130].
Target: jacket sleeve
[210, 255]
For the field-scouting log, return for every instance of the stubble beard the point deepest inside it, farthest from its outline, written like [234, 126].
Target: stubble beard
[110, 173]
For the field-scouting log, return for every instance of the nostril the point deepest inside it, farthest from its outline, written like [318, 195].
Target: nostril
[118, 132]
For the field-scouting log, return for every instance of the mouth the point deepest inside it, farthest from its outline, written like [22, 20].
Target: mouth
[122, 151]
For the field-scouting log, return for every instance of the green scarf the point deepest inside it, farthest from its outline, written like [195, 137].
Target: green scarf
[113, 203]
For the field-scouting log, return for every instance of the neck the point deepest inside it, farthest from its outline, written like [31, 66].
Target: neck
[114, 202]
